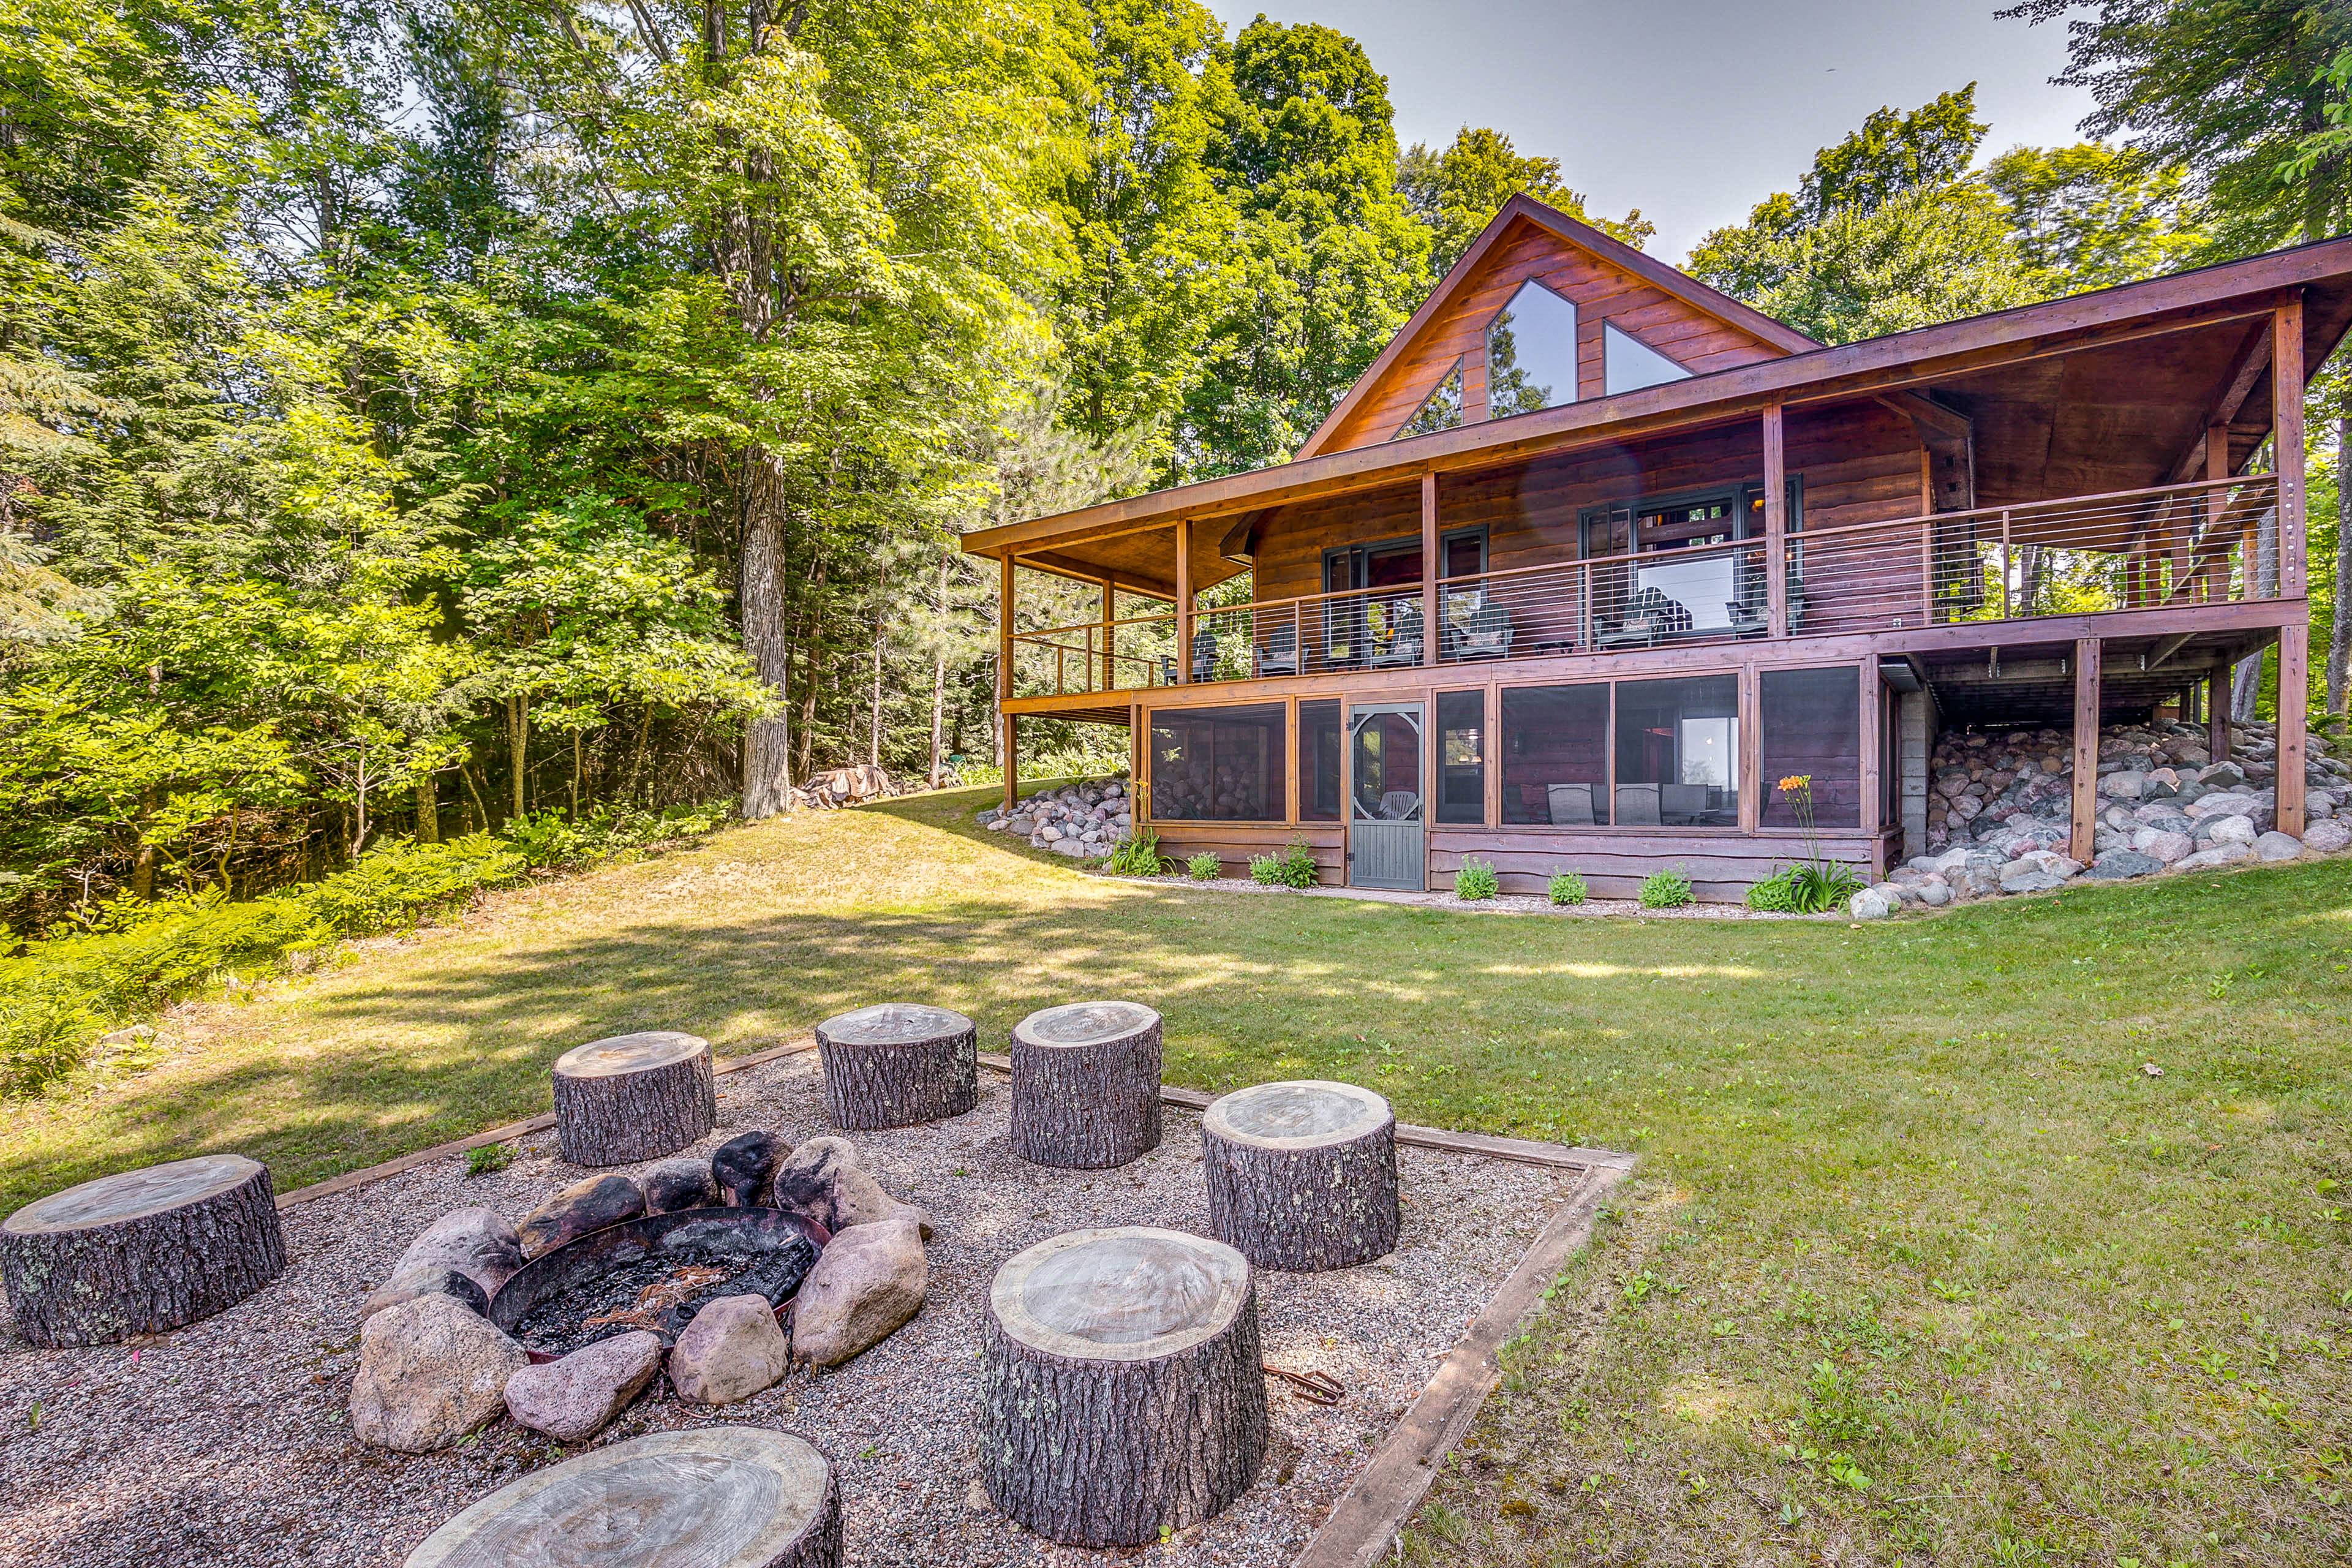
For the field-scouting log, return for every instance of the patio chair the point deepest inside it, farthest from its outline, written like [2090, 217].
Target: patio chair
[1682, 803]
[1485, 633]
[1650, 617]
[1401, 621]
[1637, 805]
[1752, 612]
[1572, 804]
[1279, 656]
[1204, 656]
[1398, 805]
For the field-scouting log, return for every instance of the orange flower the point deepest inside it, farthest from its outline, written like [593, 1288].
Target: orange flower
[1796, 781]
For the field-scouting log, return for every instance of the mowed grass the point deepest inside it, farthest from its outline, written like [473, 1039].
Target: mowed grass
[1919, 1265]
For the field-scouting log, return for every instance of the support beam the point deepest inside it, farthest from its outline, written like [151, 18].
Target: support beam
[2245, 372]
[2086, 747]
[1109, 638]
[2217, 713]
[1184, 600]
[1776, 521]
[1429, 570]
[2294, 721]
[2286, 425]
[1873, 755]
[1004, 746]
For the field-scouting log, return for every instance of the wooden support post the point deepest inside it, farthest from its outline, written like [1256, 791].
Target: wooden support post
[1874, 752]
[1005, 608]
[2294, 721]
[1110, 653]
[1429, 570]
[2286, 426]
[1776, 522]
[1754, 789]
[1290, 759]
[1184, 600]
[2217, 714]
[2086, 747]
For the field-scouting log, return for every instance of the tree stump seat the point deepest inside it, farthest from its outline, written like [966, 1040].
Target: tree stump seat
[141, 1251]
[898, 1064]
[634, 1097]
[719, 1497]
[1302, 1175]
[1124, 1390]
[1086, 1085]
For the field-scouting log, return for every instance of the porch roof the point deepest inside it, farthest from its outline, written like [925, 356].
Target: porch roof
[2104, 391]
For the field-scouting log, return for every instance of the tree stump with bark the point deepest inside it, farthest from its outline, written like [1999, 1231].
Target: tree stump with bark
[898, 1064]
[1086, 1085]
[634, 1097]
[1123, 1393]
[140, 1252]
[1302, 1176]
[723, 1497]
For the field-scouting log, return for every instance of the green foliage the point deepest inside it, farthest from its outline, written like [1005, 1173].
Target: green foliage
[1566, 888]
[1205, 866]
[1775, 893]
[1139, 856]
[484, 1159]
[1293, 868]
[1476, 879]
[1458, 191]
[1665, 889]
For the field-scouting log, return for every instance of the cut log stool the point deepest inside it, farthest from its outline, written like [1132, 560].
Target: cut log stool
[140, 1252]
[634, 1097]
[1124, 1394]
[1086, 1085]
[1302, 1176]
[719, 1497]
[898, 1064]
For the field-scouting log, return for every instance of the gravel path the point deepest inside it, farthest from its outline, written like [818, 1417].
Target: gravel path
[227, 1442]
[1501, 904]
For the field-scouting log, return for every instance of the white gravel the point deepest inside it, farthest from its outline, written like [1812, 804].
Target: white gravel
[227, 1442]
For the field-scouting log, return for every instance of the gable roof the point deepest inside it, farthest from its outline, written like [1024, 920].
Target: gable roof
[1564, 236]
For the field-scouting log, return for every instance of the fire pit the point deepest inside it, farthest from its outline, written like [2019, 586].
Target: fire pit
[655, 1273]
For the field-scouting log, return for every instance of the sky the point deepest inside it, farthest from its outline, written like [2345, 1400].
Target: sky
[1692, 110]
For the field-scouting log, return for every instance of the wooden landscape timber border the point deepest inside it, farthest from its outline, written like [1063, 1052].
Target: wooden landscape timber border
[1366, 1517]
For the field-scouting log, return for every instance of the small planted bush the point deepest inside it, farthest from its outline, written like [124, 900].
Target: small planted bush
[1666, 890]
[1204, 867]
[488, 1157]
[1476, 879]
[1139, 856]
[1567, 887]
[1294, 868]
[1775, 893]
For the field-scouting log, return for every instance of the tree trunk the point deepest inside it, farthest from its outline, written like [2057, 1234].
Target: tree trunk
[874, 728]
[767, 742]
[899, 1065]
[940, 672]
[1302, 1176]
[140, 1252]
[2339, 631]
[428, 808]
[680, 1496]
[579, 745]
[1086, 1085]
[518, 746]
[474, 793]
[1123, 1393]
[634, 1097]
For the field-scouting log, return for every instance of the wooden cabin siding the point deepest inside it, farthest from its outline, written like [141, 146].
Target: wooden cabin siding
[1234, 842]
[1291, 542]
[1721, 868]
[1689, 336]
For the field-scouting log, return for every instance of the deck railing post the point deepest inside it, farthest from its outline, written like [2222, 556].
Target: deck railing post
[2286, 443]
[1927, 572]
[1776, 524]
[1183, 601]
[1428, 570]
[1004, 603]
[2004, 564]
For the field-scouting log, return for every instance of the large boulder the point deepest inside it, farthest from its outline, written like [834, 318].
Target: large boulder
[824, 1182]
[2220, 855]
[2120, 865]
[430, 1372]
[681, 1184]
[745, 1165]
[731, 1351]
[2328, 838]
[2277, 847]
[1870, 904]
[866, 1284]
[2231, 830]
[2163, 846]
[578, 1209]
[476, 1242]
[573, 1399]
[433, 1281]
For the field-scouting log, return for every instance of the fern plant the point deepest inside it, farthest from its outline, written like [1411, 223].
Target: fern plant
[1567, 887]
[1668, 890]
[1476, 879]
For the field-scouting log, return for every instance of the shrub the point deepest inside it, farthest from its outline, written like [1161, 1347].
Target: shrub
[1665, 890]
[1294, 868]
[1139, 856]
[487, 1157]
[1806, 889]
[1204, 867]
[1567, 887]
[1476, 879]
[1777, 893]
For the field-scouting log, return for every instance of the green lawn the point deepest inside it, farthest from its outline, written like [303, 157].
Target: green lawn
[1919, 1262]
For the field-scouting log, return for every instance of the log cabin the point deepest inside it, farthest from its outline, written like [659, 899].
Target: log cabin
[1592, 557]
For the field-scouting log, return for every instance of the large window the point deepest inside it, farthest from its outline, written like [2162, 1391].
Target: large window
[1812, 728]
[1555, 755]
[1679, 753]
[1531, 353]
[1629, 364]
[1217, 764]
[1320, 739]
[1441, 410]
[1462, 756]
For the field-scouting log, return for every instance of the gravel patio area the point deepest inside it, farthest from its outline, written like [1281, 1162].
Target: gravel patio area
[227, 1442]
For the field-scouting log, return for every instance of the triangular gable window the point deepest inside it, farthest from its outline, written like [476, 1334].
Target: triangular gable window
[1530, 353]
[1629, 364]
[1441, 411]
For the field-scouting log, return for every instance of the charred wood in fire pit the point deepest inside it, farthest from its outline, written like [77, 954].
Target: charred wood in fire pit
[141, 1251]
[579, 1209]
[745, 1164]
[723, 1497]
[634, 1097]
[654, 1273]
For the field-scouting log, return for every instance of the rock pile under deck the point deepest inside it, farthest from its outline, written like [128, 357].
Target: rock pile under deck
[1081, 821]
